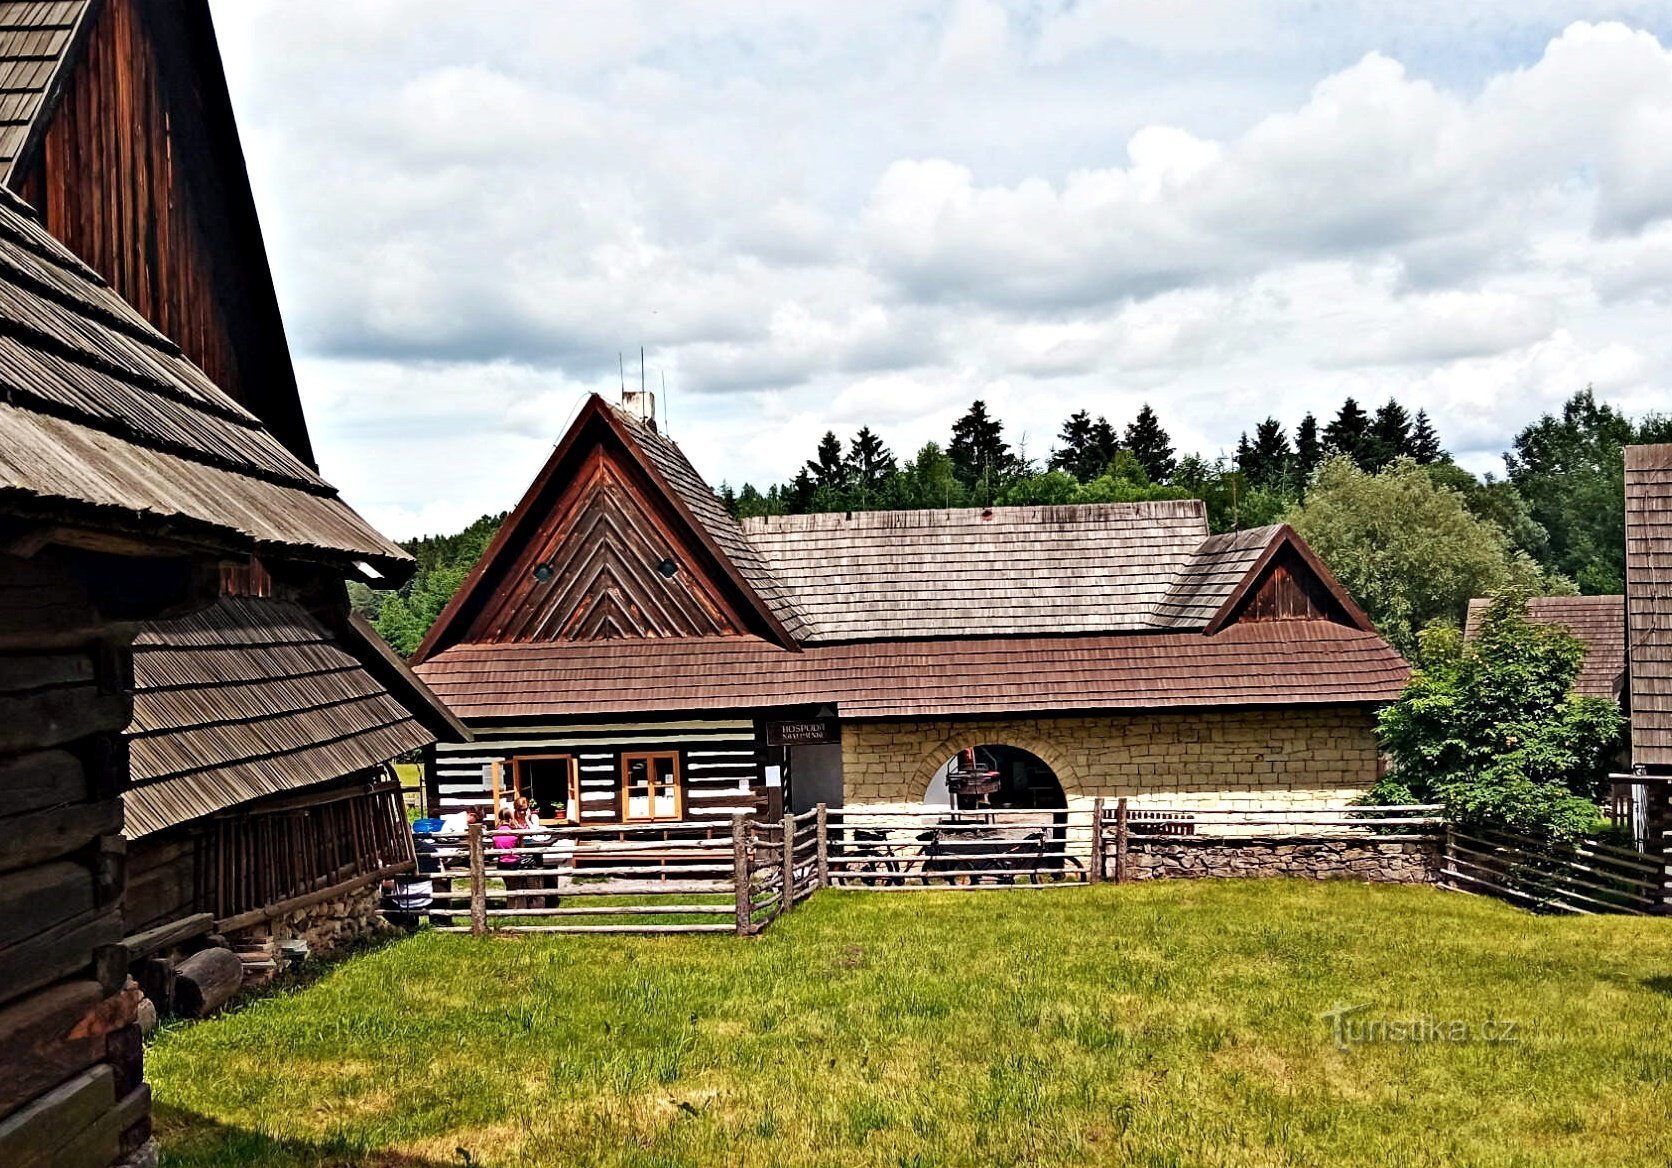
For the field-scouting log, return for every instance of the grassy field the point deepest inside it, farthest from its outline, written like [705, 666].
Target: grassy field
[1168, 1024]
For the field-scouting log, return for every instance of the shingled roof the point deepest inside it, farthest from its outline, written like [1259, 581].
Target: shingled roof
[35, 40]
[1264, 664]
[1598, 621]
[867, 575]
[102, 421]
[248, 698]
[1649, 603]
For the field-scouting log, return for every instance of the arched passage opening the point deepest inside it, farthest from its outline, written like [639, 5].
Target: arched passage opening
[995, 776]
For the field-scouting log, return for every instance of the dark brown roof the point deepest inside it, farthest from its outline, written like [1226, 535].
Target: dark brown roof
[1598, 621]
[248, 698]
[869, 575]
[35, 40]
[1649, 602]
[103, 422]
[1261, 664]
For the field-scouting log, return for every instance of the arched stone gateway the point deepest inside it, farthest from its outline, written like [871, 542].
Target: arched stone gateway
[1026, 764]
[1020, 780]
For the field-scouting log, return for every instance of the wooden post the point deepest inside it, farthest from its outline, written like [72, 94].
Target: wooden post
[1097, 840]
[478, 883]
[1120, 840]
[789, 864]
[495, 815]
[824, 846]
[740, 871]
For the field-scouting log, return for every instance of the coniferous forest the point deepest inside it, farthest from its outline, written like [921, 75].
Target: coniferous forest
[1372, 488]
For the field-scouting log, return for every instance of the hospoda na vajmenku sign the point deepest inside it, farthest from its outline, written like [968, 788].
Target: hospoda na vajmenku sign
[812, 732]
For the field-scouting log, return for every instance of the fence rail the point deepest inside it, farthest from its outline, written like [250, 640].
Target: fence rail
[741, 875]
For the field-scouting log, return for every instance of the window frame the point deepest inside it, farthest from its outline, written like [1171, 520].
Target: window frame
[651, 757]
[572, 804]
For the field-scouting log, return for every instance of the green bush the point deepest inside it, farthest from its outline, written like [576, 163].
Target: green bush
[1491, 727]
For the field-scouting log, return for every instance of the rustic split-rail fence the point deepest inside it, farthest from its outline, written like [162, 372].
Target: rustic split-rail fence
[740, 876]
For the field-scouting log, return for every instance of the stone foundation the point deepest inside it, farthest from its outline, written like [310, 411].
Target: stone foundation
[328, 927]
[1412, 862]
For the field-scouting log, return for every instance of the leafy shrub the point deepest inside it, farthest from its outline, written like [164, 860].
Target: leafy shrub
[1491, 727]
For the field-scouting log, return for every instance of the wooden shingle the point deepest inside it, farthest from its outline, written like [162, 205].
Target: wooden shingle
[249, 698]
[1598, 621]
[1649, 603]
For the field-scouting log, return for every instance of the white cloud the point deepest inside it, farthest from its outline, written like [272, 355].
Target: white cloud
[816, 216]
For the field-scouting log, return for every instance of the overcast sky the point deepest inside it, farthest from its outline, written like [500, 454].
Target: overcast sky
[821, 215]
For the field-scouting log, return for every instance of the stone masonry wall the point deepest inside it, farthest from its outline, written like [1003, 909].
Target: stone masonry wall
[327, 927]
[1234, 758]
[1411, 862]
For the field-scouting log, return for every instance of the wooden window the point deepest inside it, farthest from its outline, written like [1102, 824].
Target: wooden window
[650, 786]
[551, 783]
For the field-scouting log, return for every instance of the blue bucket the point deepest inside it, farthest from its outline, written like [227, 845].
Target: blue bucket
[426, 826]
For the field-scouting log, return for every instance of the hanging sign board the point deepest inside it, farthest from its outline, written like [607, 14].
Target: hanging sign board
[814, 732]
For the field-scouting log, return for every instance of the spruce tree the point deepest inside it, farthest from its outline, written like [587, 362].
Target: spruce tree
[1425, 442]
[1101, 448]
[1269, 462]
[869, 466]
[1348, 432]
[1309, 451]
[1072, 443]
[1150, 445]
[827, 467]
[980, 455]
[1389, 437]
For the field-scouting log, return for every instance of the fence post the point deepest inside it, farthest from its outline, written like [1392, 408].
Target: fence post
[824, 847]
[478, 884]
[1120, 840]
[740, 870]
[789, 864]
[1097, 840]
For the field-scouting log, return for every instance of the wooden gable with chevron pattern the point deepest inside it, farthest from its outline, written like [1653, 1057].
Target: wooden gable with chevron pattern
[599, 549]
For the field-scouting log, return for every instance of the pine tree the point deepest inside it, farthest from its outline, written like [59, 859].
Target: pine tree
[1149, 443]
[1388, 438]
[728, 498]
[1425, 442]
[980, 455]
[1347, 433]
[1309, 451]
[828, 468]
[869, 466]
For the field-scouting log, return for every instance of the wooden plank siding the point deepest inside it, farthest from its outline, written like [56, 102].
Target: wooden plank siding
[139, 172]
[721, 764]
[1290, 591]
[603, 539]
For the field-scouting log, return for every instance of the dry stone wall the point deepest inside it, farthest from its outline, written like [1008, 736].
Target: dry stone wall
[1403, 862]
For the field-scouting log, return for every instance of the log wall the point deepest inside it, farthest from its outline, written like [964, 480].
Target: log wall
[72, 1093]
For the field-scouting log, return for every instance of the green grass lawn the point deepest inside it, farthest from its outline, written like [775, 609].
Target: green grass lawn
[1174, 1023]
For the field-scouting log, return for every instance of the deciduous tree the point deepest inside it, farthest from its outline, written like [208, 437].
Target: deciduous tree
[1492, 728]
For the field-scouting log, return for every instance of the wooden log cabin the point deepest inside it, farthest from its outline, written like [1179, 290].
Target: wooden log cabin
[264, 726]
[127, 479]
[625, 651]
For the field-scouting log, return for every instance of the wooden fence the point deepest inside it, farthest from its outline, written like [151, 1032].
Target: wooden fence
[1583, 876]
[741, 875]
[896, 850]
